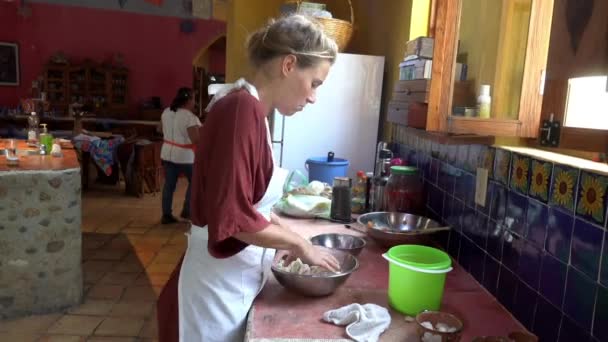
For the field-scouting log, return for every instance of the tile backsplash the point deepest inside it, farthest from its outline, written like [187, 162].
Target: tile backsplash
[538, 244]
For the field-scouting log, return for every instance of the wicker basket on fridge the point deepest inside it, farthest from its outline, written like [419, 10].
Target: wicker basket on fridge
[340, 30]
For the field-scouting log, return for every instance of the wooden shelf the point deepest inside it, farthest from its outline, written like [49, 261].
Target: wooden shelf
[494, 127]
[451, 138]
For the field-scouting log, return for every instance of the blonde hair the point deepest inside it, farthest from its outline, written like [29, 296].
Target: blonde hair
[291, 35]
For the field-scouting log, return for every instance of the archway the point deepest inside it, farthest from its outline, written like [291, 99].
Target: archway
[209, 66]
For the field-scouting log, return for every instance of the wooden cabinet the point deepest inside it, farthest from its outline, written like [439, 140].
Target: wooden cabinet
[103, 88]
[504, 44]
[117, 89]
[56, 85]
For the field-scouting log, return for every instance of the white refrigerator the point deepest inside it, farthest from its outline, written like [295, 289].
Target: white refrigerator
[344, 119]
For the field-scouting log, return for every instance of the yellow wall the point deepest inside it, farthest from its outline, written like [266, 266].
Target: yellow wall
[244, 17]
[381, 28]
[480, 46]
[495, 54]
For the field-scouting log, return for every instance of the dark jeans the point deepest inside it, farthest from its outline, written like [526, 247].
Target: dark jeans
[172, 171]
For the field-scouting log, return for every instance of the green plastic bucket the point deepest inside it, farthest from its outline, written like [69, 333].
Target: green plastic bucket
[416, 278]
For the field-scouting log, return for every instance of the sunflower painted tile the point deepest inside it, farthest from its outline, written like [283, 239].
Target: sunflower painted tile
[502, 162]
[540, 180]
[520, 173]
[592, 197]
[563, 186]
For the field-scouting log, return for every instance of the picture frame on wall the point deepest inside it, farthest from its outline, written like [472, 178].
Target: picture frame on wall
[9, 64]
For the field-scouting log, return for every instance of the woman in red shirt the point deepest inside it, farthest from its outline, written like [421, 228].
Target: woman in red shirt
[235, 182]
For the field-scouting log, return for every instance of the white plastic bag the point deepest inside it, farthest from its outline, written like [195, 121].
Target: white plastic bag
[304, 206]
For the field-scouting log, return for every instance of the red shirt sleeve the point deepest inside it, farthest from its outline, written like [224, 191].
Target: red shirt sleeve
[232, 169]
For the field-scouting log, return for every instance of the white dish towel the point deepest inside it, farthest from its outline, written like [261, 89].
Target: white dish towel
[364, 323]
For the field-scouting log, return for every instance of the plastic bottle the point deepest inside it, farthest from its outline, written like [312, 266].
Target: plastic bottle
[484, 101]
[32, 130]
[46, 139]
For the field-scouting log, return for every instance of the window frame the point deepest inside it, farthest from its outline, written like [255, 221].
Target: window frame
[556, 93]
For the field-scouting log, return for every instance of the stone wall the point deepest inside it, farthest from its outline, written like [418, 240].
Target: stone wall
[40, 242]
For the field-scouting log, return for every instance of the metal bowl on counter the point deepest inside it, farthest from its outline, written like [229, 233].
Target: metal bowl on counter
[394, 228]
[343, 242]
[317, 285]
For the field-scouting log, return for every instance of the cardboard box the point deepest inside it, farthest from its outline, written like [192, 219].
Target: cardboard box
[421, 47]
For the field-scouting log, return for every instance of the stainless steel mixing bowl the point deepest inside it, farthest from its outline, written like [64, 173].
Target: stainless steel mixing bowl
[318, 285]
[393, 228]
[343, 242]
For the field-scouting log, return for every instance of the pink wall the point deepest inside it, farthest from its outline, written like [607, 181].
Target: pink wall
[157, 54]
[8, 21]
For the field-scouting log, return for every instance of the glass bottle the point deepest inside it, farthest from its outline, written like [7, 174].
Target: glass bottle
[404, 190]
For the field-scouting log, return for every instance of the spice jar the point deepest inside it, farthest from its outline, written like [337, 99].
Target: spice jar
[404, 190]
[341, 200]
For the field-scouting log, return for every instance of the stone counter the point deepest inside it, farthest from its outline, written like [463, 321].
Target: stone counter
[40, 236]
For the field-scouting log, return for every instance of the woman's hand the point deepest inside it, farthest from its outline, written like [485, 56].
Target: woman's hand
[318, 256]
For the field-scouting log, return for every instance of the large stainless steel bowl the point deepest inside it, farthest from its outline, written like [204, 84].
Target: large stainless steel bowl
[343, 242]
[318, 285]
[393, 228]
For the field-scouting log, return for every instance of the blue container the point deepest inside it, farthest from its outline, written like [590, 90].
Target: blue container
[324, 169]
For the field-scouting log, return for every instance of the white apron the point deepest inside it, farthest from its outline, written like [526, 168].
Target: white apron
[215, 295]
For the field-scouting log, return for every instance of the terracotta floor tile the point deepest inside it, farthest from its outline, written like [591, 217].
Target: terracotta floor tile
[110, 254]
[140, 293]
[76, 325]
[108, 229]
[62, 338]
[87, 228]
[87, 254]
[30, 324]
[150, 329]
[91, 243]
[135, 229]
[118, 278]
[144, 257]
[153, 279]
[139, 223]
[19, 336]
[111, 292]
[133, 308]
[167, 257]
[160, 231]
[160, 268]
[129, 267]
[120, 242]
[123, 326]
[178, 239]
[93, 307]
[98, 265]
[112, 339]
[92, 277]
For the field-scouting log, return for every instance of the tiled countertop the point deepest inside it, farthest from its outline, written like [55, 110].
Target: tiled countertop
[279, 315]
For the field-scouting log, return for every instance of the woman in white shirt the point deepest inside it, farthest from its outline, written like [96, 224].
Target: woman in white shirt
[180, 130]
